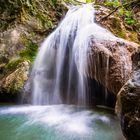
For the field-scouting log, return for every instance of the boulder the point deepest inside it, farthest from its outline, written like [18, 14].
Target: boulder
[128, 107]
[13, 83]
[109, 62]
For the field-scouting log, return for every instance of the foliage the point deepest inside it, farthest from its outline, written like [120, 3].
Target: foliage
[126, 9]
[127, 15]
[19, 11]
[88, 1]
[112, 3]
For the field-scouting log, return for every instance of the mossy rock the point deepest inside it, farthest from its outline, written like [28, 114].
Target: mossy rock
[14, 82]
[44, 13]
[116, 27]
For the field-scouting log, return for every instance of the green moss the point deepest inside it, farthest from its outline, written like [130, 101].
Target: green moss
[26, 54]
[13, 63]
[29, 53]
[88, 1]
[133, 36]
[46, 13]
[119, 33]
[112, 3]
[117, 29]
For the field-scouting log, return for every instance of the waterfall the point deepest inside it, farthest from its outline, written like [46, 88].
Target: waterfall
[57, 78]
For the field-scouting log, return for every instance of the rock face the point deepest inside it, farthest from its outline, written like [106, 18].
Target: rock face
[11, 43]
[109, 62]
[14, 82]
[20, 36]
[128, 106]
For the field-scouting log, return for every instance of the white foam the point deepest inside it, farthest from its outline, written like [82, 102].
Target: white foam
[61, 117]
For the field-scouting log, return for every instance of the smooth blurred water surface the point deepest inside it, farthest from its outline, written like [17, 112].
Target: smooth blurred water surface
[57, 122]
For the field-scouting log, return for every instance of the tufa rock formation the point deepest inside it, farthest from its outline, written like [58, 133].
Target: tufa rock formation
[109, 63]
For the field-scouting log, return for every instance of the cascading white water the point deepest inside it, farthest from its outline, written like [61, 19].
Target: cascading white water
[55, 74]
[55, 64]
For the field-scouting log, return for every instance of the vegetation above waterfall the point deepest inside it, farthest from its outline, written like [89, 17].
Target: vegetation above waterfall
[45, 13]
[128, 11]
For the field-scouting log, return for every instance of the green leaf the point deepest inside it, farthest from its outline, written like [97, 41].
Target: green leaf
[129, 20]
[121, 11]
[88, 1]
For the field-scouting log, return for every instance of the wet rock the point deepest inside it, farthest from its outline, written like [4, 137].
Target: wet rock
[13, 83]
[109, 62]
[12, 41]
[128, 107]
